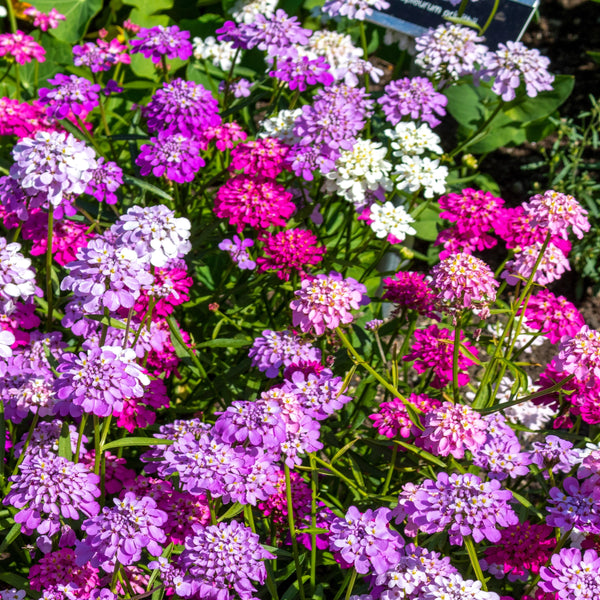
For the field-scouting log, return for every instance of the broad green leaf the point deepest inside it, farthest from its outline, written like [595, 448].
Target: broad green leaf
[144, 11]
[58, 53]
[104, 320]
[79, 13]
[136, 441]
[426, 225]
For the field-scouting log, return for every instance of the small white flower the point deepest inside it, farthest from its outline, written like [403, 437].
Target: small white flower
[415, 173]
[408, 139]
[359, 171]
[389, 219]
[220, 53]
[246, 11]
[281, 126]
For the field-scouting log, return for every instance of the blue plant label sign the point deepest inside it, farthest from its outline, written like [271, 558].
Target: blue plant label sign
[414, 17]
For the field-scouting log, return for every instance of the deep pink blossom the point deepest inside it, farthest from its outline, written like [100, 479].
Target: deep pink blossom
[21, 47]
[289, 251]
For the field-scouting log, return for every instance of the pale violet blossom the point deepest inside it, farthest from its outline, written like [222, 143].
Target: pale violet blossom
[408, 139]
[416, 173]
[359, 171]
[7, 339]
[221, 54]
[388, 219]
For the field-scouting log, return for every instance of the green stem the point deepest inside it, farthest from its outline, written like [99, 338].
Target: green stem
[470, 546]
[32, 427]
[472, 138]
[498, 351]
[491, 17]
[357, 358]
[352, 579]
[113, 583]
[49, 293]
[455, 359]
[313, 522]
[80, 436]
[462, 8]
[390, 473]
[292, 526]
[2, 443]
[351, 484]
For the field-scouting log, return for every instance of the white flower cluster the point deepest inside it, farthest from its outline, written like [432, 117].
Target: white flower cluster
[345, 60]
[359, 171]
[416, 173]
[245, 11]
[281, 126]
[220, 53]
[405, 42]
[388, 219]
[408, 139]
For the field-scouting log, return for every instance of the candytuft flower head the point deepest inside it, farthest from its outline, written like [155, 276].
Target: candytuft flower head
[514, 63]
[365, 540]
[160, 41]
[71, 95]
[122, 532]
[227, 556]
[289, 251]
[21, 47]
[325, 301]
[464, 282]
[572, 574]
[415, 98]
[55, 164]
[580, 356]
[556, 212]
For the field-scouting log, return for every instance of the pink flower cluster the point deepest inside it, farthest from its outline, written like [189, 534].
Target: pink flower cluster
[21, 47]
[554, 316]
[410, 291]
[474, 213]
[464, 282]
[325, 301]
[433, 349]
[392, 417]
[288, 251]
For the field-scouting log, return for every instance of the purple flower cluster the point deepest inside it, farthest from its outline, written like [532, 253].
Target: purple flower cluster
[327, 126]
[577, 507]
[225, 557]
[572, 574]
[17, 279]
[99, 380]
[275, 34]
[415, 98]
[301, 72]
[155, 232]
[462, 503]
[71, 95]
[173, 155]
[275, 349]
[54, 164]
[122, 532]
[163, 42]
[48, 489]
[365, 540]
[101, 56]
[106, 179]
[182, 107]
[512, 64]
[354, 9]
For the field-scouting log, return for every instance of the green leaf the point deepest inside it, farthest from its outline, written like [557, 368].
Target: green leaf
[426, 225]
[11, 536]
[527, 504]
[234, 509]
[79, 13]
[144, 11]
[104, 320]
[523, 119]
[136, 441]
[64, 442]
[58, 53]
[144, 185]
[225, 343]
[422, 453]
